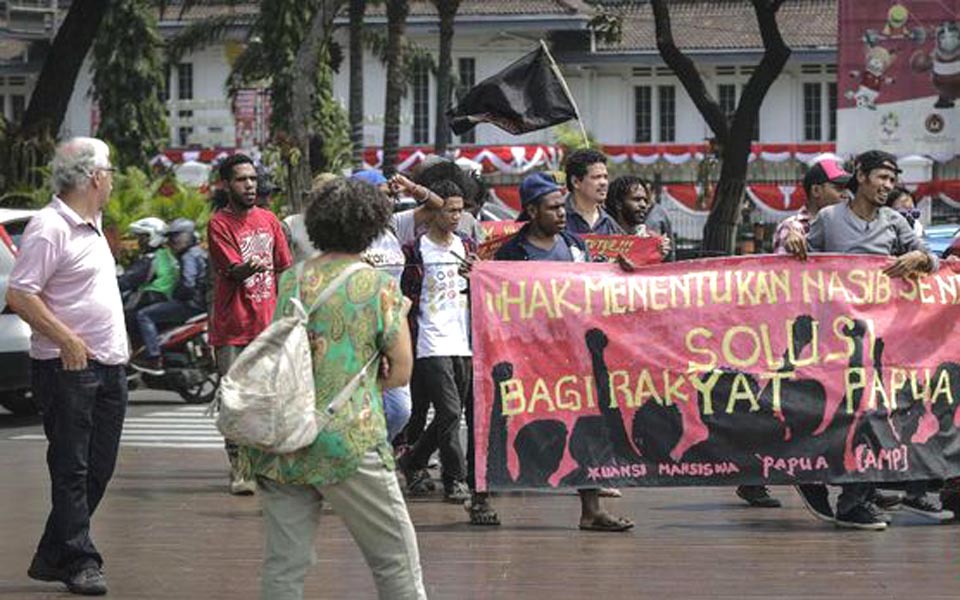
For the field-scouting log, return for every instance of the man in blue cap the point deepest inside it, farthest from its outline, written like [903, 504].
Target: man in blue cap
[546, 238]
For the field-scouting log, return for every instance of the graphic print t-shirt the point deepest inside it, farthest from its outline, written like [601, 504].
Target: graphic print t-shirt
[242, 309]
[386, 255]
[444, 320]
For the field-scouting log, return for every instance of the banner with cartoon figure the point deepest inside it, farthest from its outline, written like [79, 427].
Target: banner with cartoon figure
[714, 372]
[898, 81]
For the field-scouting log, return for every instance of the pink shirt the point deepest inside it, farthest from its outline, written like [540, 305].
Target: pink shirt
[67, 263]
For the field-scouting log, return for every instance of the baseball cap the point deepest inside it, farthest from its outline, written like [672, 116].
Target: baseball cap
[870, 160]
[826, 170]
[371, 176]
[534, 187]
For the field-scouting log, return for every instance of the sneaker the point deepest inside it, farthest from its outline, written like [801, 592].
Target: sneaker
[886, 501]
[927, 507]
[757, 496]
[816, 499]
[457, 493]
[860, 517]
[240, 485]
[148, 365]
[950, 500]
[420, 483]
[41, 570]
[87, 582]
[879, 513]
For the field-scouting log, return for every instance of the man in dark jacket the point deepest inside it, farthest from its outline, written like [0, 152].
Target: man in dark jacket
[545, 238]
[189, 295]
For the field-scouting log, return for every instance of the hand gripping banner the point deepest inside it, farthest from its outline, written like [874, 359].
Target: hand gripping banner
[714, 372]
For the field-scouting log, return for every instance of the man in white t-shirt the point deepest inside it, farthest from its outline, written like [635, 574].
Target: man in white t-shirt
[443, 372]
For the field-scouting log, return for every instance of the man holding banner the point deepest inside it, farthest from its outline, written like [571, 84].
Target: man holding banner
[587, 183]
[864, 225]
[545, 238]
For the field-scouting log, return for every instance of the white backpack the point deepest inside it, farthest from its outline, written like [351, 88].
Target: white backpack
[267, 400]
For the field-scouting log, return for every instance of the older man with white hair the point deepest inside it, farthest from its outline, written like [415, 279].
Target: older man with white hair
[64, 284]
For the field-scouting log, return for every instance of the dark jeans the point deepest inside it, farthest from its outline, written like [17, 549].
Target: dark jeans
[448, 383]
[82, 418]
[853, 495]
[171, 312]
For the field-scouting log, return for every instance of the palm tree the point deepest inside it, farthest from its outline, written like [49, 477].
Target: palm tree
[447, 10]
[397, 11]
[357, 10]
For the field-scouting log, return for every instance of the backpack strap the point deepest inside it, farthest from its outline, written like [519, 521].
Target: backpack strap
[347, 392]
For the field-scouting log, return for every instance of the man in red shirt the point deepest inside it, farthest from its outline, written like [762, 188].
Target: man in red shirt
[247, 252]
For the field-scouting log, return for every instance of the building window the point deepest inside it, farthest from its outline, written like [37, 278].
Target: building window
[421, 104]
[165, 90]
[185, 81]
[832, 111]
[18, 105]
[812, 112]
[467, 68]
[642, 114]
[667, 101]
[727, 99]
[183, 136]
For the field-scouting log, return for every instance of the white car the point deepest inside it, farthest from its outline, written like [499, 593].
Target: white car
[16, 394]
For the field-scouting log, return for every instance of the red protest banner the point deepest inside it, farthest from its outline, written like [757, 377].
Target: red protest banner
[640, 250]
[723, 371]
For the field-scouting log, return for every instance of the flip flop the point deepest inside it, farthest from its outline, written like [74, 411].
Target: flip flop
[608, 524]
[610, 493]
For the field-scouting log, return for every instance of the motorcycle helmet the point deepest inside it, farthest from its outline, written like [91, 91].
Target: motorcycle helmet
[184, 226]
[153, 227]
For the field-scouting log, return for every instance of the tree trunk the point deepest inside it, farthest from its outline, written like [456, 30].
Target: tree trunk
[51, 96]
[302, 95]
[447, 9]
[397, 11]
[357, 10]
[720, 231]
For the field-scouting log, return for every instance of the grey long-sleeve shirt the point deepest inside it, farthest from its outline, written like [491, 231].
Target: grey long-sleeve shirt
[838, 229]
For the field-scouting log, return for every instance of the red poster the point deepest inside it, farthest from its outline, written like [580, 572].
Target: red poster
[898, 80]
[723, 371]
[639, 250]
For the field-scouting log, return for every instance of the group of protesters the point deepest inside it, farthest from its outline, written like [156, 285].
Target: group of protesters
[407, 319]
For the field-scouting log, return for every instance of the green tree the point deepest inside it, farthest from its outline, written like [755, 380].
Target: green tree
[128, 74]
[447, 10]
[397, 11]
[357, 10]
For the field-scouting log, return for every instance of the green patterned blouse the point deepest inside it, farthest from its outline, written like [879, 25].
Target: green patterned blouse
[362, 316]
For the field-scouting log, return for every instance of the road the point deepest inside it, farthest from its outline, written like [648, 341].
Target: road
[168, 530]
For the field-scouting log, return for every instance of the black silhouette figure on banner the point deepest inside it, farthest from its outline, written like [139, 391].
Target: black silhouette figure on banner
[539, 445]
[803, 403]
[600, 440]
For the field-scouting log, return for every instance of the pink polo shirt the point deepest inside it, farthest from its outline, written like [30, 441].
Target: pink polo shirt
[67, 263]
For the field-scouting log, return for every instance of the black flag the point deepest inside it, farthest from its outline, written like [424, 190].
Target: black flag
[529, 94]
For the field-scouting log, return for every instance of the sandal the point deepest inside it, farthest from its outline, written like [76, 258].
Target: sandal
[481, 513]
[607, 523]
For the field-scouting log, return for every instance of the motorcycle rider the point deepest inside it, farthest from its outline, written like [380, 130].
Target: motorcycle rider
[188, 299]
[152, 277]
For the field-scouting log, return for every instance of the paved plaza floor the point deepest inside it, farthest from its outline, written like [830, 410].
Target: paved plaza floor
[168, 530]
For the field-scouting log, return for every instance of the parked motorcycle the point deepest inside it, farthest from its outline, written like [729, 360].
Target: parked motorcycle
[188, 363]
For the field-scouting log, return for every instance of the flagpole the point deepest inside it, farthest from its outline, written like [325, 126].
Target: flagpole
[566, 90]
